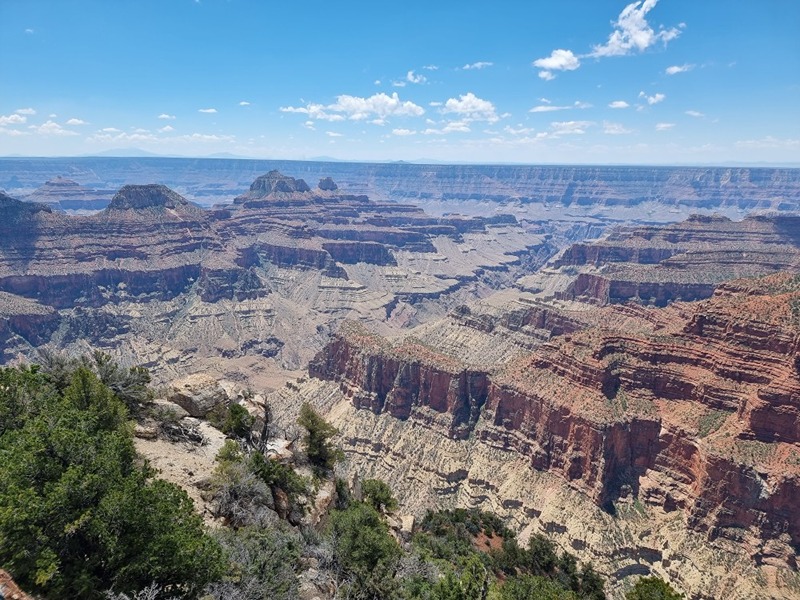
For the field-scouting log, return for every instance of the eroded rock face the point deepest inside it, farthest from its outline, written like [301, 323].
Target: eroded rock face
[146, 196]
[693, 408]
[197, 394]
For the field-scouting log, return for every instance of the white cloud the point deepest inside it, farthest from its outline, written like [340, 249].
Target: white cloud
[309, 125]
[570, 127]
[632, 32]
[75, 121]
[244, 103]
[166, 129]
[520, 131]
[209, 111]
[51, 128]
[110, 130]
[412, 77]
[545, 101]
[333, 134]
[610, 128]
[559, 60]
[695, 114]
[542, 108]
[12, 120]
[166, 116]
[654, 99]
[675, 69]
[52, 115]
[469, 106]
[25, 111]
[431, 68]
[478, 65]
[664, 126]
[451, 127]
[12, 132]
[377, 82]
[398, 84]
[618, 104]
[435, 103]
[403, 132]
[29, 31]
[356, 108]
[770, 142]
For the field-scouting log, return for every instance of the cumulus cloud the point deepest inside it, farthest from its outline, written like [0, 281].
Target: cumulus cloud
[610, 128]
[333, 134]
[570, 127]
[477, 66]
[403, 132]
[618, 104]
[632, 32]
[244, 103]
[470, 107]
[355, 108]
[519, 131]
[559, 60]
[166, 116]
[542, 108]
[654, 99]
[209, 111]
[664, 126]
[166, 129]
[675, 69]
[12, 119]
[695, 114]
[412, 77]
[51, 128]
[25, 111]
[75, 121]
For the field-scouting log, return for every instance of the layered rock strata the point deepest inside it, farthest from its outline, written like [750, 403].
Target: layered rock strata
[691, 410]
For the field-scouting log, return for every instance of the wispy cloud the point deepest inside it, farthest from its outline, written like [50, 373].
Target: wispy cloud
[569, 127]
[675, 69]
[403, 132]
[75, 121]
[334, 134]
[29, 31]
[166, 129]
[450, 127]
[664, 126]
[208, 111]
[25, 111]
[654, 99]
[694, 113]
[477, 66]
[610, 128]
[12, 119]
[244, 103]
[770, 142]
[543, 108]
[51, 128]
[618, 104]
[431, 68]
[632, 33]
[356, 108]
[166, 116]
[469, 106]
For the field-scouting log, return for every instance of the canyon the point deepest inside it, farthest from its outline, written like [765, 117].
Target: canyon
[604, 354]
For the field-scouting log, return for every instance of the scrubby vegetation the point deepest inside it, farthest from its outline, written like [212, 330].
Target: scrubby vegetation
[82, 517]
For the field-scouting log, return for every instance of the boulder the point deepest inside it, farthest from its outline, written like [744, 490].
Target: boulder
[197, 394]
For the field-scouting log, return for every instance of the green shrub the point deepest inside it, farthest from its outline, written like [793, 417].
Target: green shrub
[378, 495]
[322, 454]
[652, 588]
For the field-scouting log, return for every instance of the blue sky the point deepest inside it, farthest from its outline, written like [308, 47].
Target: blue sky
[567, 81]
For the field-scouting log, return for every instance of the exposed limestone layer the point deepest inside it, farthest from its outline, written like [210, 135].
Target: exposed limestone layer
[162, 281]
[65, 194]
[693, 409]
[682, 261]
